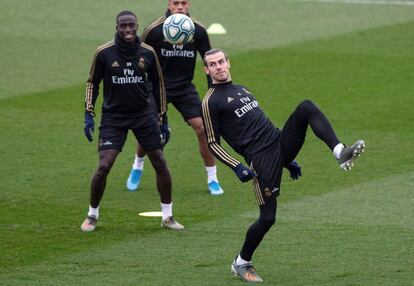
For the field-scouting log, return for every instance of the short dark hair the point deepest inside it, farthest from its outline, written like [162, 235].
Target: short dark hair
[212, 52]
[124, 13]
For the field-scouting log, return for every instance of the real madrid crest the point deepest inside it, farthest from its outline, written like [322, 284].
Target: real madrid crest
[141, 63]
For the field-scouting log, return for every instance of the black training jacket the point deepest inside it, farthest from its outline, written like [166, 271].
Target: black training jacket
[177, 61]
[232, 112]
[125, 72]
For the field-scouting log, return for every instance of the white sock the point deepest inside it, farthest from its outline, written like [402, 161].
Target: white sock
[138, 163]
[166, 210]
[211, 174]
[93, 212]
[338, 149]
[241, 261]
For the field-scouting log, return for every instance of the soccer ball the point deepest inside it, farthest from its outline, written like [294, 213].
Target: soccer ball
[178, 29]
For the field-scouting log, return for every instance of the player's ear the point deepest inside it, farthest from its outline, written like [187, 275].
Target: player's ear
[206, 70]
[228, 63]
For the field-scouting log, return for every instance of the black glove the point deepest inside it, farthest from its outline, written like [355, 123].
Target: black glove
[89, 126]
[165, 130]
[294, 170]
[245, 174]
[165, 133]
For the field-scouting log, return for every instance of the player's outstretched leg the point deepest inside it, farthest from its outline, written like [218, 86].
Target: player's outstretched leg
[350, 153]
[245, 271]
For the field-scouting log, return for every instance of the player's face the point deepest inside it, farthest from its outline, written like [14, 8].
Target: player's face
[179, 6]
[217, 66]
[127, 28]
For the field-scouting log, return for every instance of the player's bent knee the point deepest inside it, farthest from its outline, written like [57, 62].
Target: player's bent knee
[104, 167]
[159, 164]
[199, 130]
[307, 106]
[200, 133]
[197, 125]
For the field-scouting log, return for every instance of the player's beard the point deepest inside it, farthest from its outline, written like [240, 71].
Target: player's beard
[223, 77]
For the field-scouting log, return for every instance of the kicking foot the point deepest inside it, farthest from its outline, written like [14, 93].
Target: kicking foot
[349, 154]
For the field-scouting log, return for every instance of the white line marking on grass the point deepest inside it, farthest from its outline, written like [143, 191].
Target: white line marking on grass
[365, 2]
[151, 214]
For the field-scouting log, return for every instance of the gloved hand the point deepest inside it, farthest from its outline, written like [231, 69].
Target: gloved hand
[294, 170]
[165, 132]
[89, 126]
[245, 174]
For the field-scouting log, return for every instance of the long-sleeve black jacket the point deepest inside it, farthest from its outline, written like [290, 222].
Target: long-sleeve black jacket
[232, 112]
[177, 61]
[125, 72]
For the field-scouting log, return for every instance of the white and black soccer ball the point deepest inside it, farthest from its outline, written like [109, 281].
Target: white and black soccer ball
[178, 29]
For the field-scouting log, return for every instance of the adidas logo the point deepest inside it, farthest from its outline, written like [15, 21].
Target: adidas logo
[230, 99]
[115, 64]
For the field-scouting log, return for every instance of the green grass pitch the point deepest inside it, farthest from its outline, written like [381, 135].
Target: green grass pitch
[333, 227]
